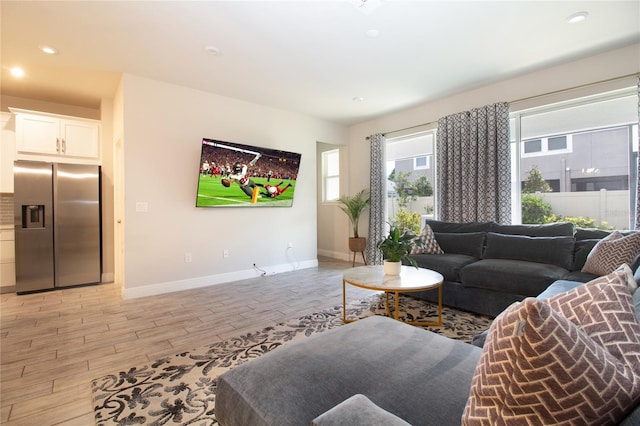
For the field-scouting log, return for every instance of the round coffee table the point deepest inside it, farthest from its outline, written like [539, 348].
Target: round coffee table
[410, 280]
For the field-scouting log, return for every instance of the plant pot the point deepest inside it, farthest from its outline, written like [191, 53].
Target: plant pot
[392, 268]
[357, 245]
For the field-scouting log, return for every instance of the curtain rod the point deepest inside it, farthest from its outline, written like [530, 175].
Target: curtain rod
[582, 86]
[406, 128]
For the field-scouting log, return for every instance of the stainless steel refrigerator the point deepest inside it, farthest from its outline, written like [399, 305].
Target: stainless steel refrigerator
[57, 225]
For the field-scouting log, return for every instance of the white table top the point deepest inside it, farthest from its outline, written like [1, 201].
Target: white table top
[410, 278]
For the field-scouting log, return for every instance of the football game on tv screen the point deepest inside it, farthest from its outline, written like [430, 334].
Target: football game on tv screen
[236, 175]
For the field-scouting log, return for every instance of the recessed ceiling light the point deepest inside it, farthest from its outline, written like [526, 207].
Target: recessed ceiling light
[357, 99]
[49, 50]
[17, 72]
[372, 33]
[577, 17]
[212, 50]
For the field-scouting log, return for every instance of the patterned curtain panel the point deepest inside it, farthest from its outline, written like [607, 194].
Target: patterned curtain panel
[638, 171]
[474, 165]
[377, 197]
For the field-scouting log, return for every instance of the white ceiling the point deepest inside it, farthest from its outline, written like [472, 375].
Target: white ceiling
[313, 57]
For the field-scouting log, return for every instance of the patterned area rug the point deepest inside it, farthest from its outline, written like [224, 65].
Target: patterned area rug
[181, 389]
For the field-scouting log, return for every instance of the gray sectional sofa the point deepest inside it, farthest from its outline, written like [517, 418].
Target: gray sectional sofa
[375, 371]
[487, 266]
[379, 371]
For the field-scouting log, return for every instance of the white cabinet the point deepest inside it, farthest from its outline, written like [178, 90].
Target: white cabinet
[80, 138]
[7, 259]
[56, 136]
[7, 153]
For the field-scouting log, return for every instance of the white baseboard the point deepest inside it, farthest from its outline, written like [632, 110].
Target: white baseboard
[334, 254]
[348, 257]
[198, 282]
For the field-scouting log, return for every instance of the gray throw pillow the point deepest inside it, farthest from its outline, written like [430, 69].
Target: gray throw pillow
[549, 250]
[358, 411]
[467, 243]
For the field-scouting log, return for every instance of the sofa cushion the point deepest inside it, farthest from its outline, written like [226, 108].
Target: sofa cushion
[552, 370]
[448, 265]
[597, 234]
[581, 250]
[611, 252]
[583, 277]
[559, 286]
[552, 250]
[376, 356]
[449, 227]
[469, 243]
[511, 276]
[547, 230]
[358, 411]
[429, 243]
[590, 234]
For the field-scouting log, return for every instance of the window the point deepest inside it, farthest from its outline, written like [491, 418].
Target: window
[557, 143]
[533, 146]
[410, 179]
[575, 161]
[331, 175]
[551, 145]
[421, 163]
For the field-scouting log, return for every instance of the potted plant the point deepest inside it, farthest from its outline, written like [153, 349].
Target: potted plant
[396, 247]
[353, 206]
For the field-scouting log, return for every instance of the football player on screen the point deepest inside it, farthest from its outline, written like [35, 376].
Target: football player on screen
[239, 174]
[272, 191]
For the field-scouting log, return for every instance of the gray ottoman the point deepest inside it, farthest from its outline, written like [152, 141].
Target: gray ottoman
[416, 375]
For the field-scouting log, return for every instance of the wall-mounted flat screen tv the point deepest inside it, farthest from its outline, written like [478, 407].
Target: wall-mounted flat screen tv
[236, 175]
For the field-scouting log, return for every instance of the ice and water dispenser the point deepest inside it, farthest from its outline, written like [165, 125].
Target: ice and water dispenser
[33, 216]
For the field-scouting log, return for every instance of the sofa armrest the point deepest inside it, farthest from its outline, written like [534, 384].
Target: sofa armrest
[357, 411]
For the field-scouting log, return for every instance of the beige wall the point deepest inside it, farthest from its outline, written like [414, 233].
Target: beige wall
[597, 68]
[163, 126]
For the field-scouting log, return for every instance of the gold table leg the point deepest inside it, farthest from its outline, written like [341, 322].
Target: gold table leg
[397, 308]
[418, 323]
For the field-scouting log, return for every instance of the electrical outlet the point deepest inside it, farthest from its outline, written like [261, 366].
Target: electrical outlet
[290, 245]
[225, 253]
[187, 258]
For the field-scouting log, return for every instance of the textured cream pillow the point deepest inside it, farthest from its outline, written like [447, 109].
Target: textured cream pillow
[539, 367]
[611, 252]
[430, 244]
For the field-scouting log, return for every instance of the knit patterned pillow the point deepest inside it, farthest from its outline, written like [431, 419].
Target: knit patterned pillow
[595, 308]
[430, 244]
[611, 252]
[538, 367]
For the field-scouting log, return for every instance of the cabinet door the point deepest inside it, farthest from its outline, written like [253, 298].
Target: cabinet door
[80, 139]
[36, 134]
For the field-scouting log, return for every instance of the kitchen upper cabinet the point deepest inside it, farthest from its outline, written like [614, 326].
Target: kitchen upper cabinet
[58, 137]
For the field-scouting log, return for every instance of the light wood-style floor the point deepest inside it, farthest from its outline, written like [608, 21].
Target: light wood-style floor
[53, 343]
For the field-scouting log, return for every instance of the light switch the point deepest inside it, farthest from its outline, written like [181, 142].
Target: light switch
[142, 206]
